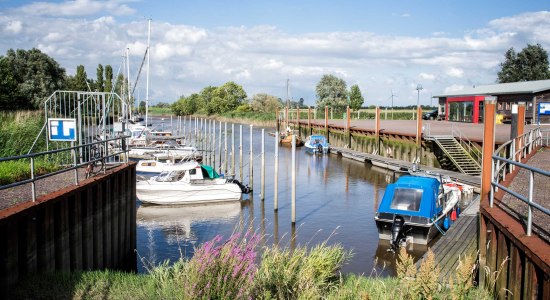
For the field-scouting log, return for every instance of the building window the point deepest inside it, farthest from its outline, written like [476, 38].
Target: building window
[461, 111]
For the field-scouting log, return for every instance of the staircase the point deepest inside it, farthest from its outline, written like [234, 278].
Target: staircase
[460, 158]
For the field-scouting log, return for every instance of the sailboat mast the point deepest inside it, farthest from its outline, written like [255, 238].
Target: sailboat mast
[130, 104]
[148, 67]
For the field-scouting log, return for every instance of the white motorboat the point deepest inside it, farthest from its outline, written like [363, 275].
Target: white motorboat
[187, 183]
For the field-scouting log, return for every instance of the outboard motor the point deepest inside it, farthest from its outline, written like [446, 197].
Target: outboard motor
[396, 232]
[244, 188]
[320, 149]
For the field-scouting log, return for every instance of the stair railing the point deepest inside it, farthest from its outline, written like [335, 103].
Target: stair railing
[474, 152]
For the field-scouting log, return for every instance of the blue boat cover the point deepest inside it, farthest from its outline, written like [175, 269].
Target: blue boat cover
[412, 196]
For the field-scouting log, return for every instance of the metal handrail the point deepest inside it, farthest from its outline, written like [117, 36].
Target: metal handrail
[106, 155]
[470, 147]
[528, 142]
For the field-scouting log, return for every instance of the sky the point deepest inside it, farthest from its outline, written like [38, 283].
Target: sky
[385, 47]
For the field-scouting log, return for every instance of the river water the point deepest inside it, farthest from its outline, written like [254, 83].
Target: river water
[336, 199]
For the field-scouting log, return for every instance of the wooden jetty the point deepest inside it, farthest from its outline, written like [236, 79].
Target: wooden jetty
[460, 240]
[401, 165]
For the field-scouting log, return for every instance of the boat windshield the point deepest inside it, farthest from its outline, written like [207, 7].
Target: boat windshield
[170, 176]
[406, 199]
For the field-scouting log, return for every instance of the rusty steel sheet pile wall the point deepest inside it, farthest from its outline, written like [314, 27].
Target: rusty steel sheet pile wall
[87, 227]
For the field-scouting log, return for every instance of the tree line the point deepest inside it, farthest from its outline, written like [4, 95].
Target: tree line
[28, 77]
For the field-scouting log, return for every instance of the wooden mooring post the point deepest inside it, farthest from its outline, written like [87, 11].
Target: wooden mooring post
[293, 176]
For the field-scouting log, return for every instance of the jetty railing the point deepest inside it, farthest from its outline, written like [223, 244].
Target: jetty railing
[71, 158]
[514, 151]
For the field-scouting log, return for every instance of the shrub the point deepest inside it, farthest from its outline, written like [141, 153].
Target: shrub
[222, 271]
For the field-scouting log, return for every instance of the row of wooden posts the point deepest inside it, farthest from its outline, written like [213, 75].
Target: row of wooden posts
[213, 144]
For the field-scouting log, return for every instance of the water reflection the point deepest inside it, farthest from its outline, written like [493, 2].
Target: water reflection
[332, 194]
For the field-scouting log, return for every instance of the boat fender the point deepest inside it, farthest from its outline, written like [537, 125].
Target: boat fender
[320, 148]
[446, 223]
[458, 211]
[453, 215]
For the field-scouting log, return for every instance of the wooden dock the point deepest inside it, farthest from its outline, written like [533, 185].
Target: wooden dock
[401, 165]
[460, 240]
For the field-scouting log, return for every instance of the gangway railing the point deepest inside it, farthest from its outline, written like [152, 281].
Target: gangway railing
[506, 158]
[71, 158]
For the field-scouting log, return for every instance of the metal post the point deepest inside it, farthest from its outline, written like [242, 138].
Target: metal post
[276, 183]
[74, 164]
[530, 209]
[225, 148]
[262, 195]
[33, 186]
[241, 153]
[293, 170]
[220, 145]
[251, 151]
[233, 172]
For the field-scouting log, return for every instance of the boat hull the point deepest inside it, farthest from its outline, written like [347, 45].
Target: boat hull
[416, 233]
[168, 193]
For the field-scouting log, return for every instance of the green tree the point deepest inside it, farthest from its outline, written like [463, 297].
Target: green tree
[331, 91]
[531, 63]
[227, 97]
[99, 84]
[204, 105]
[265, 103]
[355, 98]
[186, 105]
[36, 76]
[108, 79]
[8, 87]
[80, 82]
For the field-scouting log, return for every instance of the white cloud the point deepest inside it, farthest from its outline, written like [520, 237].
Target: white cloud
[426, 76]
[455, 72]
[14, 27]
[453, 88]
[75, 8]
[185, 59]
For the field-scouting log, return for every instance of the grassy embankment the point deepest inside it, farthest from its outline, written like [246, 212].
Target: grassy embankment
[230, 270]
[18, 131]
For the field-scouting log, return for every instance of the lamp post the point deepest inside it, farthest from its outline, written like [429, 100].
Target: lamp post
[418, 89]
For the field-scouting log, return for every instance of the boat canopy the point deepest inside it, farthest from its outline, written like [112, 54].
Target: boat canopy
[411, 195]
[208, 171]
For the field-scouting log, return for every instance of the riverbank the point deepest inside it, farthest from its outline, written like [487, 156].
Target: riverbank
[229, 270]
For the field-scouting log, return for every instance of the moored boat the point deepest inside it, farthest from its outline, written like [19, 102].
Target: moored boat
[187, 183]
[415, 209]
[316, 144]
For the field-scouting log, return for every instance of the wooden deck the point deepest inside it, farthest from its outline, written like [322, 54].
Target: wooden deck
[460, 240]
[401, 165]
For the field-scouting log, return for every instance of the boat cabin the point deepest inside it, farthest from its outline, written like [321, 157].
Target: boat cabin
[413, 196]
[190, 172]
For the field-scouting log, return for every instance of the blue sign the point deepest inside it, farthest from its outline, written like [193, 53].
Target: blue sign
[544, 108]
[62, 129]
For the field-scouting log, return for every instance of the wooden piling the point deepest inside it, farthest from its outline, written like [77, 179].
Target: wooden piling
[418, 132]
[348, 126]
[377, 129]
[486, 174]
[225, 149]
[326, 123]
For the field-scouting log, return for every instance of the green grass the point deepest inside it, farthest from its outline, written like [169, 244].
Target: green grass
[160, 111]
[229, 270]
